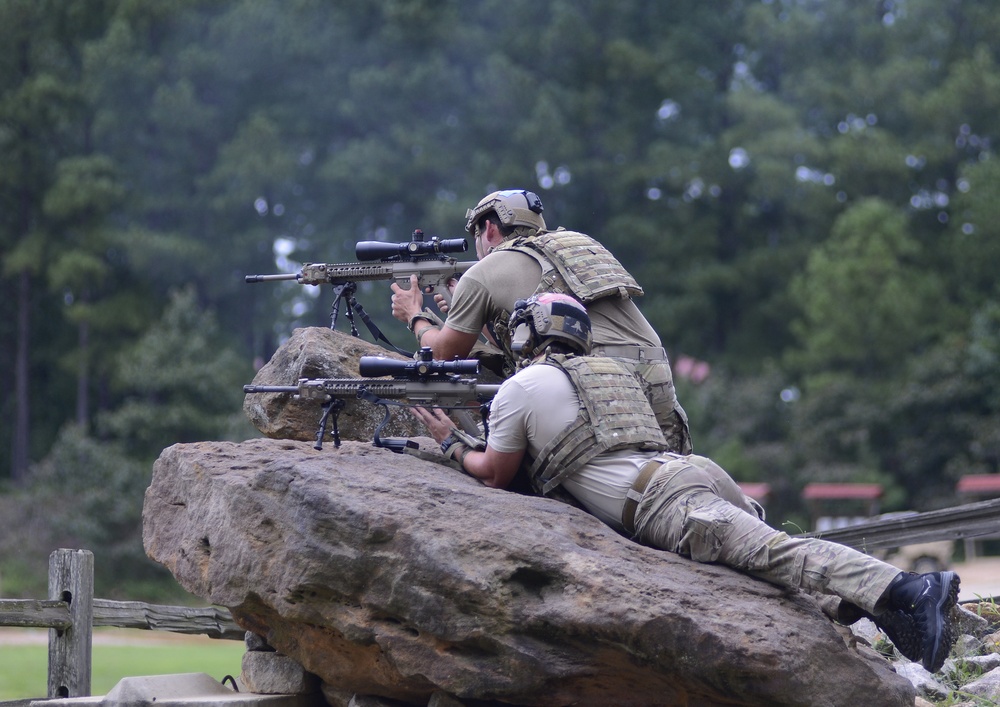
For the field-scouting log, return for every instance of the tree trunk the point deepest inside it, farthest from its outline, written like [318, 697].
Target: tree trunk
[22, 400]
[83, 377]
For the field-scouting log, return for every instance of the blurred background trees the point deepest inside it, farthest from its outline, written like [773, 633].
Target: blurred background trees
[805, 190]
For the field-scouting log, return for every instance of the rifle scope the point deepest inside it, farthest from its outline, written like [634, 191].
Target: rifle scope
[375, 366]
[416, 248]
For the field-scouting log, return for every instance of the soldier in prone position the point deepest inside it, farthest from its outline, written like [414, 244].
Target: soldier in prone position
[581, 424]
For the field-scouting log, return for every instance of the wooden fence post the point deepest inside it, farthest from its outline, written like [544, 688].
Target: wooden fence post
[71, 579]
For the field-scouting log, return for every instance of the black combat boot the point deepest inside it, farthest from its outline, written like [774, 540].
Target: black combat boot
[919, 614]
[901, 629]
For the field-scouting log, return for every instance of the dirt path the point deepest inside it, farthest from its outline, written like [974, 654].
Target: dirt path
[980, 578]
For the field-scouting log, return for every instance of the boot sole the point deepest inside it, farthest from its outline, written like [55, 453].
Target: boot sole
[935, 654]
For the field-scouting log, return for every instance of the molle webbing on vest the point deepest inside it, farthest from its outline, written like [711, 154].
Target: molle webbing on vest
[614, 414]
[574, 263]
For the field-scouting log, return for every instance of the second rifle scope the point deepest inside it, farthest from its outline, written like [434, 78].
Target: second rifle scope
[376, 366]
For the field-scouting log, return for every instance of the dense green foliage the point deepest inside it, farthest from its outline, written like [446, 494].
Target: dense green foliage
[804, 189]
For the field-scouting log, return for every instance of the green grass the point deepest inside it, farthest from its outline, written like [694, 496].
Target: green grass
[24, 670]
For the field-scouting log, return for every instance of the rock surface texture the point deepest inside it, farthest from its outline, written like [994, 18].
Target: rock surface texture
[315, 352]
[393, 578]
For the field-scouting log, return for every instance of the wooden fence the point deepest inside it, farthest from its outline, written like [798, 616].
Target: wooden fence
[71, 612]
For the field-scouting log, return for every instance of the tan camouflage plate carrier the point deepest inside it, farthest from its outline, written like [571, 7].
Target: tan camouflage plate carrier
[572, 263]
[614, 414]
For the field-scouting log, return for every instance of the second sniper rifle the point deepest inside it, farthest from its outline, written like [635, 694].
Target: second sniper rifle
[424, 382]
[427, 259]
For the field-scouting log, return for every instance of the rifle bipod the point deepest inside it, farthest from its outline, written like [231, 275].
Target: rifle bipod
[347, 291]
[332, 406]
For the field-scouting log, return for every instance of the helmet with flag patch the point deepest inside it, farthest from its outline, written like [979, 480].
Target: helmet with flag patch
[548, 318]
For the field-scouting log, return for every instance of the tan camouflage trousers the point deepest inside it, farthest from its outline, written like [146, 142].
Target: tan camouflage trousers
[692, 507]
[657, 383]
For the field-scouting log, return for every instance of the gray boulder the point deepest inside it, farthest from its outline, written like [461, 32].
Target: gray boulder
[393, 578]
[315, 352]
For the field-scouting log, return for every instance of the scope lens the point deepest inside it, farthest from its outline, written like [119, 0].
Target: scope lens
[377, 250]
[466, 366]
[376, 366]
[454, 245]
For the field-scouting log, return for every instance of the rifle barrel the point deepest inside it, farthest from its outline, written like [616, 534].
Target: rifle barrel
[270, 278]
[270, 389]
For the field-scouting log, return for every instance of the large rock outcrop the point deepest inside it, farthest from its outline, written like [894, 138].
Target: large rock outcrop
[390, 576]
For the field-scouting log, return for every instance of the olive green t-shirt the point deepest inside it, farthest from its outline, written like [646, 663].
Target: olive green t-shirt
[497, 281]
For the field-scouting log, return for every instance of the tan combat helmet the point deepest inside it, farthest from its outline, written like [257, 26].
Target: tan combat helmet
[514, 207]
[546, 318]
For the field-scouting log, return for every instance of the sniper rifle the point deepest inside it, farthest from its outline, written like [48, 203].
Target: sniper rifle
[450, 385]
[427, 259]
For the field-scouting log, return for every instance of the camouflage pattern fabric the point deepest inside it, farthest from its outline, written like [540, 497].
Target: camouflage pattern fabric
[614, 414]
[572, 263]
[692, 507]
[576, 264]
[657, 383]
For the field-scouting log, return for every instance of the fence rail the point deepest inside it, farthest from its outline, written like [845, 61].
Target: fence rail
[55, 614]
[71, 612]
[966, 522]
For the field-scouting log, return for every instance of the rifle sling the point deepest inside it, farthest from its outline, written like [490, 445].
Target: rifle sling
[375, 331]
